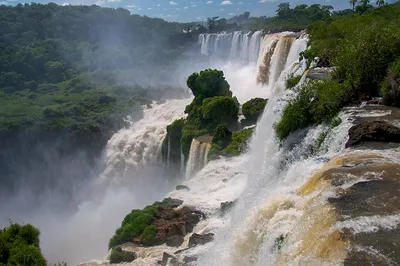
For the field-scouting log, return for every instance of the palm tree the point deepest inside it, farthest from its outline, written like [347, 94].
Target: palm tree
[380, 2]
[353, 3]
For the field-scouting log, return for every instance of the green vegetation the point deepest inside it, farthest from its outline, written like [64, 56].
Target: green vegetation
[253, 108]
[118, 255]
[279, 242]
[137, 226]
[364, 49]
[171, 146]
[207, 84]
[217, 110]
[213, 105]
[292, 82]
[315, 102]
[390, 87]
[74, 68]
[227, 143]
[19, 245]
[133, 225]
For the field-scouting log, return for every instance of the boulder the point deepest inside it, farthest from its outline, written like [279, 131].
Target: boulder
[226, 206]
[174, 241]
[168, 259]
[319, 73]
[197, 239]
[182, 187]
[189, 259]
[375, 131]
[171, 222]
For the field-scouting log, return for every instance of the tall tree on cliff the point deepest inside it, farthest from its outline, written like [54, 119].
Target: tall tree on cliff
[353, 3]
[380, 2]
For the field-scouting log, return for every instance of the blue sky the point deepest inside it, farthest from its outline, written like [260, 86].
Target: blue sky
[194, 10]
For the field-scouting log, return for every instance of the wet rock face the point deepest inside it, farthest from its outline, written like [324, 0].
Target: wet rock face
[174, 241]
[368, 211]
[197, 239]
[173, 224]
[379, 131]
[182, 187]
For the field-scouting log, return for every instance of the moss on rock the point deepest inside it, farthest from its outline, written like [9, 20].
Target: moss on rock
[118, 255]
[253, 109]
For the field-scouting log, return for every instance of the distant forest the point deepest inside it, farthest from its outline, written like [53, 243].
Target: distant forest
[77, 68]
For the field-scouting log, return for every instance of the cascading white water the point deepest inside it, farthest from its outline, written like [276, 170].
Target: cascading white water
[198, 157]
[139, 144]
[235, 46]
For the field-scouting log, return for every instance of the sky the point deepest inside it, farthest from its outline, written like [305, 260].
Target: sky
[193, 10]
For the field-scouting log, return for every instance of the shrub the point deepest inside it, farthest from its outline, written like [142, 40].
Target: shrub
[172, 142]
[218, 110]
[360, 47]
[228, 144]
[208, 83]
[296, 114]
[238, 142]
[222, 136]
[293, 81]
[118, 255]
[254, 108]
[19, 245]
[390, 87]
[149, 234]
[315, 102]
[134, 225]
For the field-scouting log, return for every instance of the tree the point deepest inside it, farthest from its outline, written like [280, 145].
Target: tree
[353, 3]
[208, 83]
[211, 22]
[283, 10]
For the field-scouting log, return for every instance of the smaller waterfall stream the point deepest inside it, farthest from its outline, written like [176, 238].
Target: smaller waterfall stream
[198, 157]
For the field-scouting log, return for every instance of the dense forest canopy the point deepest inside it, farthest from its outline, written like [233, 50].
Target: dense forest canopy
[73, 62]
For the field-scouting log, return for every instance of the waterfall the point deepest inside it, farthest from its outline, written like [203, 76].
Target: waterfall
[279, 58]
[268, 48]
[198, 157]
[139, 144]
[254, 46]
[235, 46]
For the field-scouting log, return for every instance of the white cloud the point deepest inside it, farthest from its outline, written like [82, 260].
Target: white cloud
[263, 1]
[231, 14]
[65, 4]
[159, 5]
[4, 3]
[194, 5]
[209, 2]
[131, 6]
[172, 3]
[113, 1]
[149, 8]
[227, 2]
[99, 2]
[185, 7]
[11, 0]
[240, 3]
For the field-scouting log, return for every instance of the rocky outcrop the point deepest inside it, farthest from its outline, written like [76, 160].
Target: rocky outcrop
[319, 73]
[226, 207]
[197, 239]
[375, 131]
[174, 241]
[173, 224]
[182, 187]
